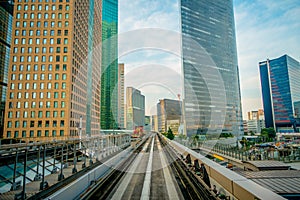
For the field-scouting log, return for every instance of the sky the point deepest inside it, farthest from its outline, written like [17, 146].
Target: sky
[264, 29]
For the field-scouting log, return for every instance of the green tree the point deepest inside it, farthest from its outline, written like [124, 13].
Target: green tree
[268, 134]
[170, 134]
[195, 139]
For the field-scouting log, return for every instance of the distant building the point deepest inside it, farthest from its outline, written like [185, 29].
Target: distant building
[121, 96]
[168, 115]
[256, 121]
[256, 115]
[280, 84]
[255, 126]
[6, 13]
[135, 108]
[245, 125]
[148, 125]
[154, 122]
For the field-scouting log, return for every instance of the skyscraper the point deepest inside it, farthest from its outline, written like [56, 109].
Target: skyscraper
[280, 85]
[168, 113]
[135, 108]
[121, 96]
[6, 13]
[109, 69]
[54, 70]
[210, 68]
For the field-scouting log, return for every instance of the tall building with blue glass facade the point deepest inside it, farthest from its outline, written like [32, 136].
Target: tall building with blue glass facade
[210, 68]
[6, 13]
[280, 85]
[109, 67]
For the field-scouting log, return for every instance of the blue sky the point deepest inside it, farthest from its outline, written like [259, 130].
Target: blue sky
[264, 29]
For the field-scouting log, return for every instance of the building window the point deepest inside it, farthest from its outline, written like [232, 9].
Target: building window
[31, 133]
[39, 133]
[9, 124]
[40, 114]
[32, 115]
[25, 114]
[8, 134]
[10, 114]
[31, 124]
[16, 134]
[54, 133]
[23, 134]
[24, 124]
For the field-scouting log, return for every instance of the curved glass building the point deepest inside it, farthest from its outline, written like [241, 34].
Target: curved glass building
[212, 102]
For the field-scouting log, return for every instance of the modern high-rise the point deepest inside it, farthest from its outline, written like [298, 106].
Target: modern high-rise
[168, 114]
[154, 123]
[6, 20]
[109, 67]
[280, 85]
[135, 109]
[211, 100]
[54, 70]
[121, 99]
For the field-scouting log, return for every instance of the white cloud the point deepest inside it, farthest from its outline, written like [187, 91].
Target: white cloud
[264, 29]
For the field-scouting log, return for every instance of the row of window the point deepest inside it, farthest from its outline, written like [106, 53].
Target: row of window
[33, 114]
[40, 7]
[39, 15]
[39, 41]
[32, 133]
[39, 24]
[36, 67]
[39, 32]
[35, 77]
[34, 95]
[43, 59]
[40, 1]
[33, 104]
[32, 124]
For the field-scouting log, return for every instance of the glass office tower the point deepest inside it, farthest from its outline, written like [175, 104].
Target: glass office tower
[54, 73]
[211, 76]
[6, 13]
[281, 93]
[109, 69]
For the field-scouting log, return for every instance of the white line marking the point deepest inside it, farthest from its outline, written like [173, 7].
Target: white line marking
[147, 182]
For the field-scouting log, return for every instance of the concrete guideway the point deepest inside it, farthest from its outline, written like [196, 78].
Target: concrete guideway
[151, 175]
[172, 192]
[119, 193]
